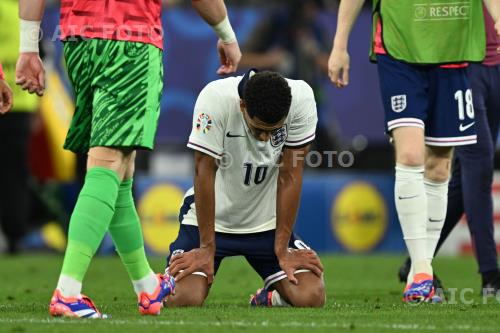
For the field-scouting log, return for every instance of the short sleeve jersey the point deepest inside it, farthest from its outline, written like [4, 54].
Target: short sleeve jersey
[246, 180]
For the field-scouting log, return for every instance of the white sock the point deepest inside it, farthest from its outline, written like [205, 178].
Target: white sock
[147, 284]
[411, 205]
[69, 287]
[277, 300]
[411, 274]
[437, 202]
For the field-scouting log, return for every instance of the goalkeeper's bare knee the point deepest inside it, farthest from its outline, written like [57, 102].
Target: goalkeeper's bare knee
[118, 160]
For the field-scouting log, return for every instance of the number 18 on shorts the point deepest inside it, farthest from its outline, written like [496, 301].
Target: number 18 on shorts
[436, 99]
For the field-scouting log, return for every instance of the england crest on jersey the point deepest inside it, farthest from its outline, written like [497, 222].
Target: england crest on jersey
[398, 103]
[278, 137]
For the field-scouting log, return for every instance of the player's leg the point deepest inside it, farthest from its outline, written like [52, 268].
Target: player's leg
[125, 230]
[96, 199]
[309, 292]
[482, 152]
[410, 196]
[100, 88]
[90, 219]
[454, 212]
[191, 290]
[455, 208]
[491, 279]
[278, 291]
[450, 123]
[478, 172]
[127, 101]
[407, 103]
[437, 173]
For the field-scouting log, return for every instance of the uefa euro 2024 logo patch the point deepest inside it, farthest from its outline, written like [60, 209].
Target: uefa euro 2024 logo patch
[398, 103]
[204, 123]
[278, 137]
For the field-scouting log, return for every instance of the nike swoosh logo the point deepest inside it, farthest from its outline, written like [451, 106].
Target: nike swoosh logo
[431, 220]
[464, 128]
[229, 135]
[410, 197]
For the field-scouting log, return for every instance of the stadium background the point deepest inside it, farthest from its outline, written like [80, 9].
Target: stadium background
[342, 210]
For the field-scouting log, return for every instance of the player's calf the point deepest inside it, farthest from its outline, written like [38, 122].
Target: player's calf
[438, 163]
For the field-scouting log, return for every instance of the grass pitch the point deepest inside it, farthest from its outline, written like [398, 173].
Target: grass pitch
[363, 296]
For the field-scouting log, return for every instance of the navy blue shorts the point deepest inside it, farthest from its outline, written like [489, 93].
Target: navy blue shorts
[437, 99]
[257, 248]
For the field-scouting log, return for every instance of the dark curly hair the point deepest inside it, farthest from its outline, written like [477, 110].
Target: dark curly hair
[268, 97]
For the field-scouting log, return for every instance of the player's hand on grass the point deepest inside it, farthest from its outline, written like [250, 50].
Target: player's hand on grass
[30, 73]
[293, 260]
[338, 67]
[229, 55]
[5, 97]
[196, 260]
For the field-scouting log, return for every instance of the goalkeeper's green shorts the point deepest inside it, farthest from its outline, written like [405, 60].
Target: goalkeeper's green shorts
[118, 88]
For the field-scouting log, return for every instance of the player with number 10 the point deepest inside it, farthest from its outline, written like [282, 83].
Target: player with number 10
[250, 135]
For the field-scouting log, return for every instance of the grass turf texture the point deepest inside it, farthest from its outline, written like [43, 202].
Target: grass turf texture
[363, 296]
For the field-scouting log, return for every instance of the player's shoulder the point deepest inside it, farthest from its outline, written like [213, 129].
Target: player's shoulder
[219, 96]
[300, 89]
[303, 101]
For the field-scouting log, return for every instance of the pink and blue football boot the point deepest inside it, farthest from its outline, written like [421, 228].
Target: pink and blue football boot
[261, 298]
[421, 290]
[78, 307]
[151, 304]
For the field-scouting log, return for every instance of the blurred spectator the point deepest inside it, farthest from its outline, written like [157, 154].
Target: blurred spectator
[15, 129]
[293, 43]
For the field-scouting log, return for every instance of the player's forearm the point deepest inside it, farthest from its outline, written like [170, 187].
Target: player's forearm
[348, 13]
[31, 10]
[204, 196]
[214, 12]
[288, 197]
[30, 14]
[493, 8]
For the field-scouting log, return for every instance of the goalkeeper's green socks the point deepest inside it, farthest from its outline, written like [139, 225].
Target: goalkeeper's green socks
[89, 222]
[125, 229]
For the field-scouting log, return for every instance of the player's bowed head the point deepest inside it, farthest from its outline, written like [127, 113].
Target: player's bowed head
[265, 102]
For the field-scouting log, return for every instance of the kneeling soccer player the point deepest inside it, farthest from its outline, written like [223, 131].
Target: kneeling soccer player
[250, 135]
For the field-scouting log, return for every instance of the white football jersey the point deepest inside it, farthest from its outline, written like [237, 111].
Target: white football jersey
[246, 180]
